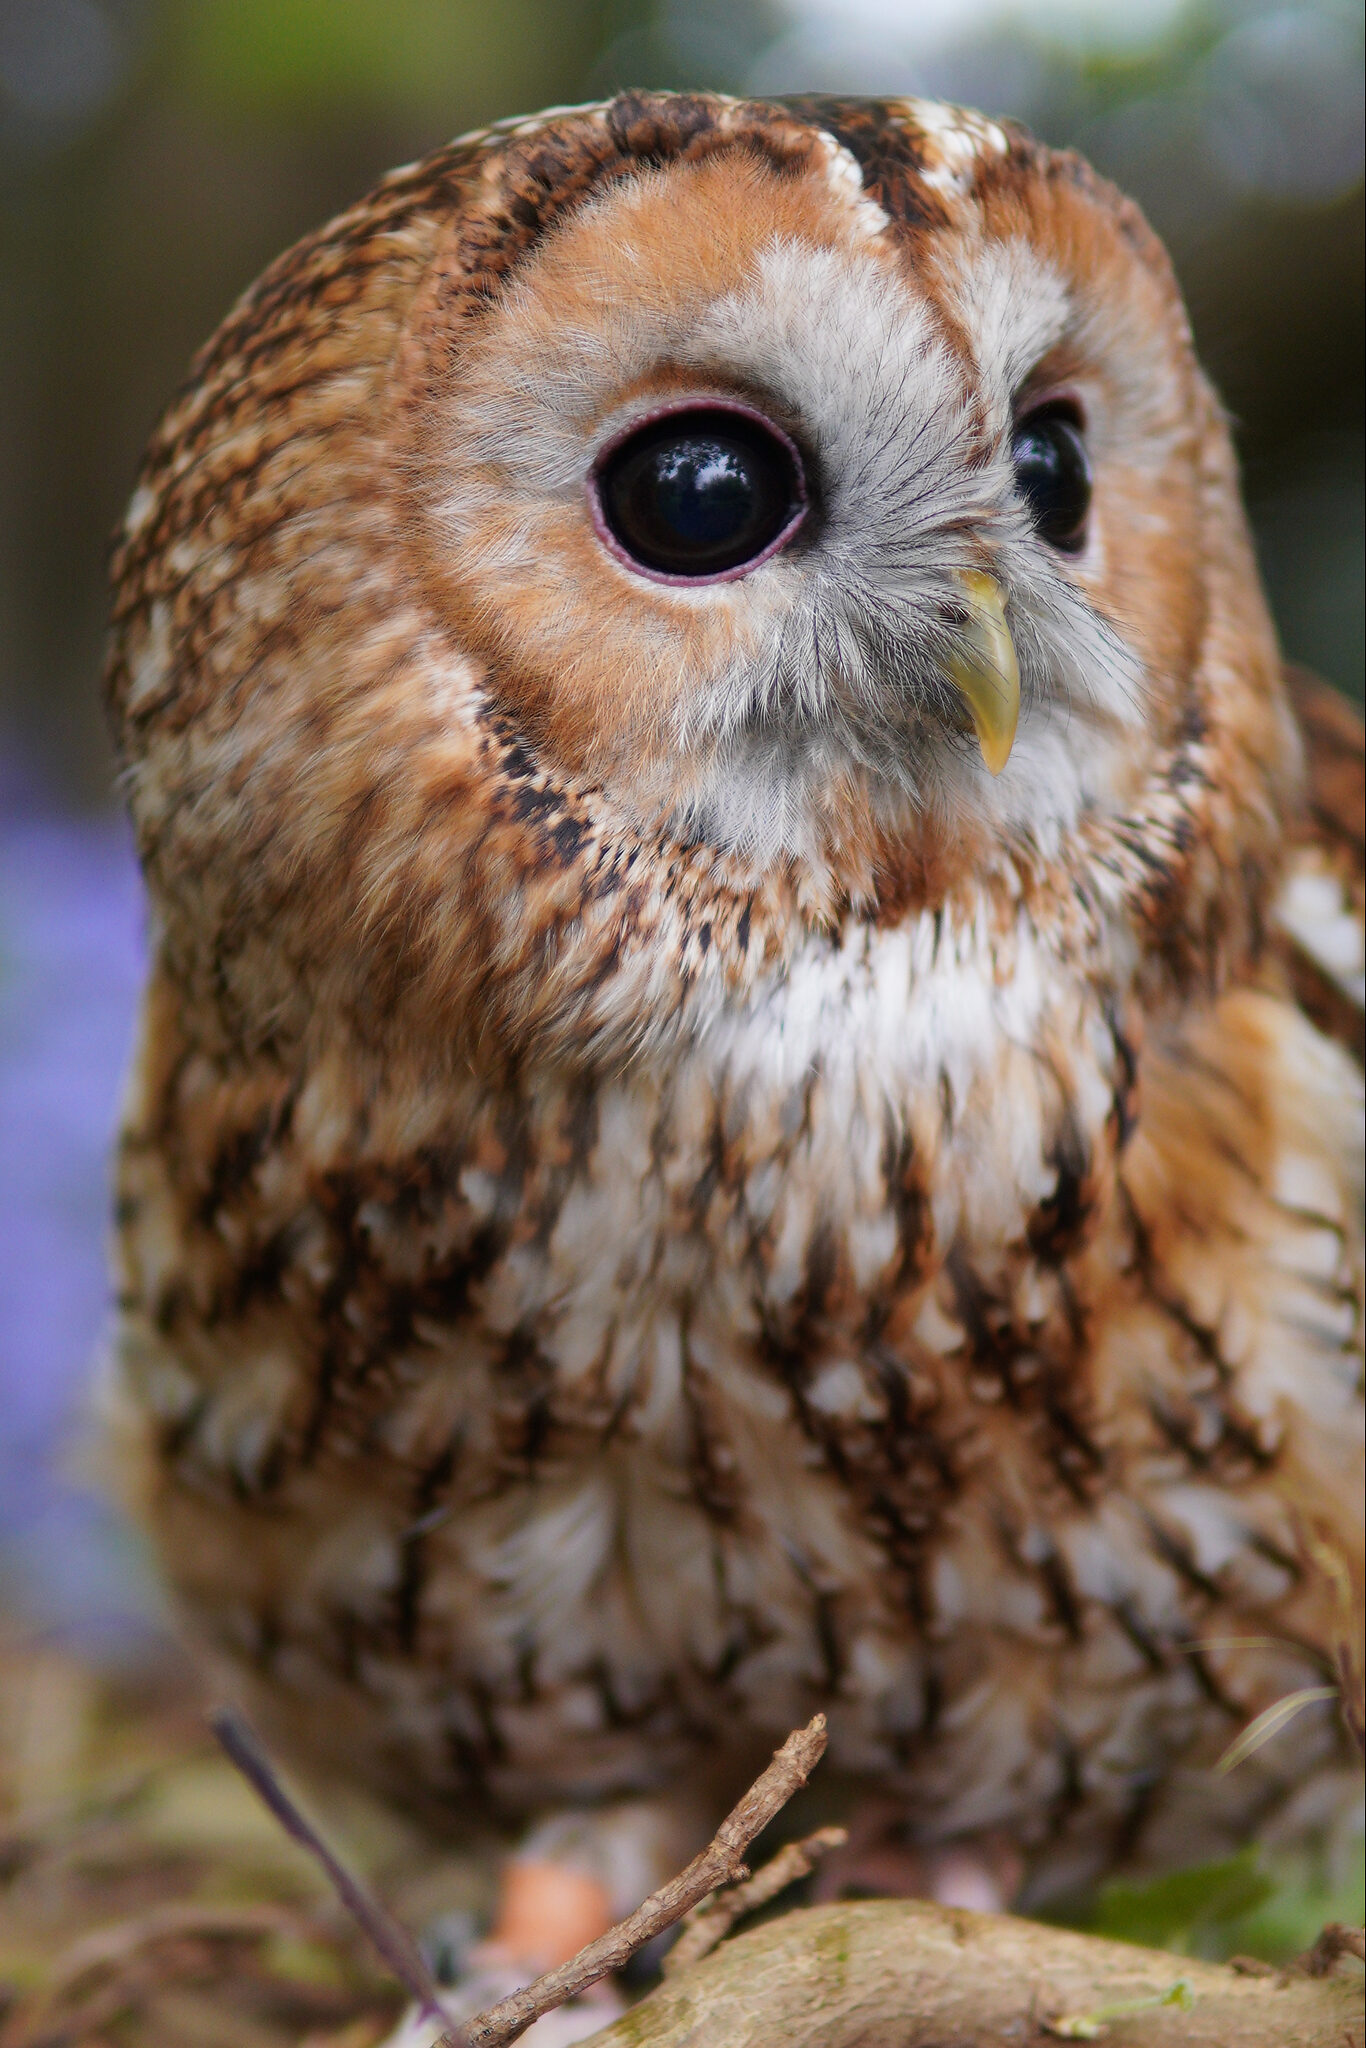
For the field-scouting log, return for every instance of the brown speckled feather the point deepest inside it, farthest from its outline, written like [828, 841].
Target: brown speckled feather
[656, 1194]
[1329, 840]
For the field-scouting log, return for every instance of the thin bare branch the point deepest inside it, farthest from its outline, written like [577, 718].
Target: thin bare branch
[1334, 1942]
[710, 1923]
[110, 1948]
[719, 1863]
[394, 1943]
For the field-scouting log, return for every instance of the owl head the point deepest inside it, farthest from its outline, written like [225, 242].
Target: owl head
[784, 495]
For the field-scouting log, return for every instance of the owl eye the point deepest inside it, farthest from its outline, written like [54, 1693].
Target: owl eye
[1053, 475]
[699, 495]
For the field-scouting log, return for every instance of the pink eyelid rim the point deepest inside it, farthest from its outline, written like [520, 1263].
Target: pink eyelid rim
[671, 411]
[1059, 395]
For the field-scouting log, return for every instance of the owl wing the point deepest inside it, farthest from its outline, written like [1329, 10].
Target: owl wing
[1319, 914]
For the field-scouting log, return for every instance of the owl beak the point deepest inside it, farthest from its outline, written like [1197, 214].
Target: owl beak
[983, 669]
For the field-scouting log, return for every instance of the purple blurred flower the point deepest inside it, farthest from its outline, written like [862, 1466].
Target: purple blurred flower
[71, 951]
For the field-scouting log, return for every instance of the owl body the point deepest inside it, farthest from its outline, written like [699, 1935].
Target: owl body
[658, 1192]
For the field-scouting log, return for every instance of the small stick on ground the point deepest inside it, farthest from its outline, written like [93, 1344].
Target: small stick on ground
[720, 1863]
[395, 1945]
[708, 1924]
[1334, 1942]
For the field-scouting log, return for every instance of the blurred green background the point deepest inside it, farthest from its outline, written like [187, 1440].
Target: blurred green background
[155, 153]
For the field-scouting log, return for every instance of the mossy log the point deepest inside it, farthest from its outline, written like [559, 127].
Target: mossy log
[898, 1973]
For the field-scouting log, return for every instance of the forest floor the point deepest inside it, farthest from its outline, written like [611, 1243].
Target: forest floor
[147, 1900]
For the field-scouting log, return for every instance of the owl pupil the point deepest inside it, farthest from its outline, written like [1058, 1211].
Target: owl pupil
[1053, 475]
[699, 494]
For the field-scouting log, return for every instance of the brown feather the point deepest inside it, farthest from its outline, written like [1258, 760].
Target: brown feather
[1329, 833]
[631, 1231]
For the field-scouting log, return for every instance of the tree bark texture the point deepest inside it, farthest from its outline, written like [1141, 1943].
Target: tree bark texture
[899, 1973]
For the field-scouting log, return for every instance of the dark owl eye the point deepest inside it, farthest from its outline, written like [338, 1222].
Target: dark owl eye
[1053, 475]
[699, 494]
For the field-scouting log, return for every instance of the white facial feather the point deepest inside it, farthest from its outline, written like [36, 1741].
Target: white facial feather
[838, 643]
[846, 181]
[848, 667]
[954, 141]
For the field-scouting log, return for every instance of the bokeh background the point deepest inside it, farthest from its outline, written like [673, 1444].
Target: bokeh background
[154, 154]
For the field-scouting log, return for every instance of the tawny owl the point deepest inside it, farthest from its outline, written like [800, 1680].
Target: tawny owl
[728, 1120]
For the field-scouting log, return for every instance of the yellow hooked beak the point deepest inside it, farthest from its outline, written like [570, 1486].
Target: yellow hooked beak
[982, 667]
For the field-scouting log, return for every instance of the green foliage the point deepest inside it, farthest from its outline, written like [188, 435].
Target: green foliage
[1186, 1907]
[1254, 1904]
[347, 57]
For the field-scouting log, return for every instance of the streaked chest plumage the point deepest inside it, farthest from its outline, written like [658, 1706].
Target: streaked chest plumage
[563, 1427]
[661, 1190]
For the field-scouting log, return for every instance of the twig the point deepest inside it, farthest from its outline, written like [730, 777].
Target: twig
[708, 1924]
[109, 1948]
[1335, 1940]
[395, 1945]
[719, 1863]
